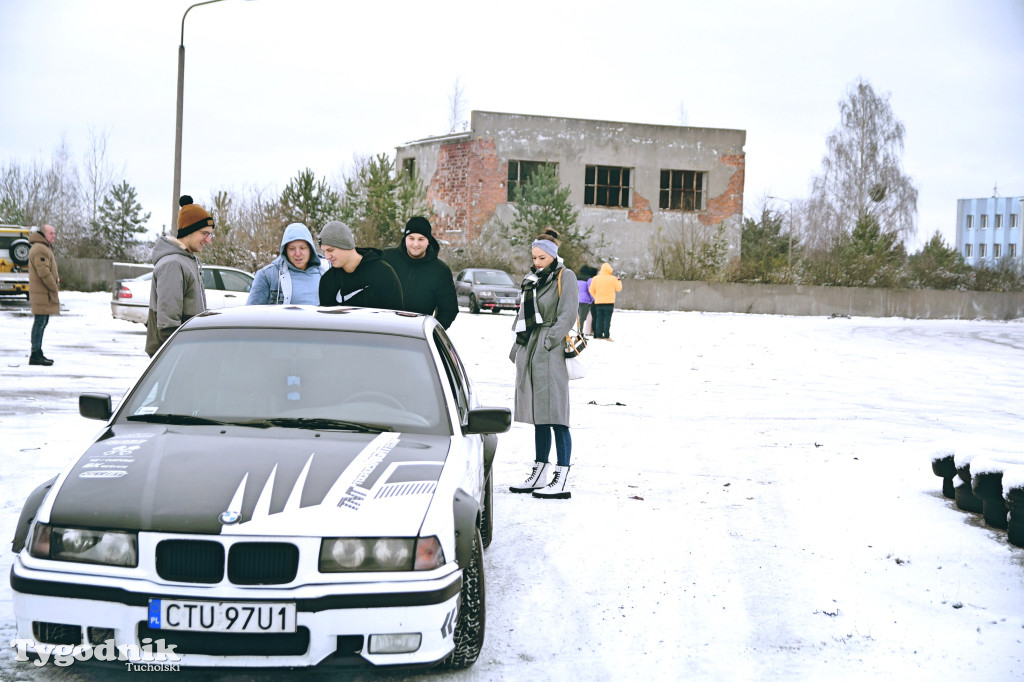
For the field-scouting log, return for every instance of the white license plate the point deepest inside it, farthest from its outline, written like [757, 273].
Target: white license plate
[507, 300]
[223, 616]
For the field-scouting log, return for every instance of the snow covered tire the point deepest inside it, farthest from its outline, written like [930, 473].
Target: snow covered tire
[988, 487]
[964, 495]
[469, 629]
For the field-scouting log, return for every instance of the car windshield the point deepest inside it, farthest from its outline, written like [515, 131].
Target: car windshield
[297, 378]
[495, 277]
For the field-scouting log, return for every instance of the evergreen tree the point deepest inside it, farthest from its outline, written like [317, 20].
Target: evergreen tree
[939, 266]
[871, 257]
[119, 221]
[378, 201]
[309, 201]
[764, 250]
[541, 202]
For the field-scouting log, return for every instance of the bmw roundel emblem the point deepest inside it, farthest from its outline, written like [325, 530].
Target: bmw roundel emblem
[228, 517]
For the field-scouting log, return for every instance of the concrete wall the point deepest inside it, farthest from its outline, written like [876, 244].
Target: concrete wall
[806, 300]
[466, 176]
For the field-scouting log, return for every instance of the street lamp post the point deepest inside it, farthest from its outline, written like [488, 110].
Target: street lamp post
[789, 251]
[177, 126]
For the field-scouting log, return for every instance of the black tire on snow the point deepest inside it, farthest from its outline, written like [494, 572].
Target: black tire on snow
[944, 467]
[469, 629]
[988, 487]
[487, 513]
[947, 488]
[474, 307]
[1015, 521]
[495, 310]
[964, 494]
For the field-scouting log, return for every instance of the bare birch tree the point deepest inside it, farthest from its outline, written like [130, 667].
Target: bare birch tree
[862, 173]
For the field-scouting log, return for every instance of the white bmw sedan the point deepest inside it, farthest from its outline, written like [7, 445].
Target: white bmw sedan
[284, 486]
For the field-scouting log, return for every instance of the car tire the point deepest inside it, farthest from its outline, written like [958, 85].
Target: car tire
[474, 305]
[469, 628]
[495, 310]
[19, 252]
[487, 513]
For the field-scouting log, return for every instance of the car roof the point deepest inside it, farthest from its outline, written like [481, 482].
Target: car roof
[339, 318]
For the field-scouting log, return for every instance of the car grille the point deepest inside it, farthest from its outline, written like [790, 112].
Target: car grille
[248, 563]
[263, 563]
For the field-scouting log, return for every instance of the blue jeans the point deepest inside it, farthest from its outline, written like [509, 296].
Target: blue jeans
[602, 319]
[38, 327]
[563, 442]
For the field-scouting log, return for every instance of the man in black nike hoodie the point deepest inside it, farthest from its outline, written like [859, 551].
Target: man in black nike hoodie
[357, 277]
[427, 284]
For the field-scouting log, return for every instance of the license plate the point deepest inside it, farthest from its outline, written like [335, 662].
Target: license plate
[225, 616]
[506, 300]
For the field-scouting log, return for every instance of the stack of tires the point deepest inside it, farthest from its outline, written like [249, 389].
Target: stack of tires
[990, 485]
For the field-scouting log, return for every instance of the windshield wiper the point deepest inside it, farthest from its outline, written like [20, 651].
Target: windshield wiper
[326, 424]
[175, 419]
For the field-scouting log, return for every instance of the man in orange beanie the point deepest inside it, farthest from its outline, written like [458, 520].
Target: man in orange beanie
[177, 292]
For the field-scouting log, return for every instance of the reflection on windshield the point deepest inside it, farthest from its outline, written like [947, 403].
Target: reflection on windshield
[293, 378]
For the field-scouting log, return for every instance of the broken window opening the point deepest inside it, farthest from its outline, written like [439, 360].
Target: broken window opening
[682, 190]
[607, 186]
[521, 171]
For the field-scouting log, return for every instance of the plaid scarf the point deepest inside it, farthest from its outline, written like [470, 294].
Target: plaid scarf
[530, 317]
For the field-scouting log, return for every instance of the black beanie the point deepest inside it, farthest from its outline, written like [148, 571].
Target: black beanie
[418, 225]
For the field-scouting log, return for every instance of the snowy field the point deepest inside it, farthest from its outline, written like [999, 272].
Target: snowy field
[752, 497]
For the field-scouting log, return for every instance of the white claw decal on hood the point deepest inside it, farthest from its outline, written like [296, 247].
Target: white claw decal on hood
[346, 493]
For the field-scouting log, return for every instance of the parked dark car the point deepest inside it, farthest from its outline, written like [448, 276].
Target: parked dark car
[486, 288]
[283, 486]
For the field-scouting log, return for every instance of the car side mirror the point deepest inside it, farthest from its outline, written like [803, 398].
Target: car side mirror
[485, 420]
[95, 406]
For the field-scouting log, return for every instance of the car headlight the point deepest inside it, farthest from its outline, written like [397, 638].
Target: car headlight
[379, 554]
[484, 293]
[112, 548]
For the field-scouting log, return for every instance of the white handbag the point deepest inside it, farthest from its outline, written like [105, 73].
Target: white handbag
[577, 367]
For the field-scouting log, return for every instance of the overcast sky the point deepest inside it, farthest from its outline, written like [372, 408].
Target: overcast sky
[274, 86]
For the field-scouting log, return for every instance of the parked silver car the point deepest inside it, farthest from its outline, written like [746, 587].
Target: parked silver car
[486, 288]
[225, 287]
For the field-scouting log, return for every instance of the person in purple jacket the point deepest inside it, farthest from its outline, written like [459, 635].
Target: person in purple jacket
[583, 280]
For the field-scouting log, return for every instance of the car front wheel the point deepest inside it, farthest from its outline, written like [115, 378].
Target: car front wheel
[474, 305]
[469, 630]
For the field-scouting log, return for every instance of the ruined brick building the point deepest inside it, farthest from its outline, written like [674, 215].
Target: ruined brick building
[628, 180]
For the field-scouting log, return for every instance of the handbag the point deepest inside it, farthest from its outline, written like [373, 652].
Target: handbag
[575, 342]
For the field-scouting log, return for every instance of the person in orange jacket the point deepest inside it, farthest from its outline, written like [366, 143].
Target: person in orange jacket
[603, 287]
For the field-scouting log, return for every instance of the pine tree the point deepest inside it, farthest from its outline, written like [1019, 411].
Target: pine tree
[309, 201]
[378, 201]
[119, 221]
[939, 266]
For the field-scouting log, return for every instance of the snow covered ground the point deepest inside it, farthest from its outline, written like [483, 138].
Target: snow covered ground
[753, 497]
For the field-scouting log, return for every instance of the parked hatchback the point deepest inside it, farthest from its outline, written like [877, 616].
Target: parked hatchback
[488, 289]
[225, 287]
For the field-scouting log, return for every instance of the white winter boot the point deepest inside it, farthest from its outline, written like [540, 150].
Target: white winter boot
[558, 488]
[536, 479]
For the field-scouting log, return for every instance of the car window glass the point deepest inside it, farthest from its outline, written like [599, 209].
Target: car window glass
[455, 370]
[209, 279]
[235, 281]
[246, 374]
[494, 277]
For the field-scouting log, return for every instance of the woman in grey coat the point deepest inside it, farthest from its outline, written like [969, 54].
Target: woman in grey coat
[542, 384]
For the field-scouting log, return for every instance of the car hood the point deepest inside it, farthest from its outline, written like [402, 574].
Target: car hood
[245, 481]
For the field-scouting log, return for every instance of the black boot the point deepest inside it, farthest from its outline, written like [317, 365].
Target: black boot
[37, 358]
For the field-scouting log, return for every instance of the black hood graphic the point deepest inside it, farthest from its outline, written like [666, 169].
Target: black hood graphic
[249, 481]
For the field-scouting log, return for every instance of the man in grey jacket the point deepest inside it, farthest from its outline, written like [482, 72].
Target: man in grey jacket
[177, 292]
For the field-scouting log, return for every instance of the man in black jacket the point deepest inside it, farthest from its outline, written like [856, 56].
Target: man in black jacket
[427, 284]
[357, 277]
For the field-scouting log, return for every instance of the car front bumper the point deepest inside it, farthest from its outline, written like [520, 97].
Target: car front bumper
[334, 623]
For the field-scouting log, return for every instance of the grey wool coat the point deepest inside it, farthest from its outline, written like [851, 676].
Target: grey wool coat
[542, 383]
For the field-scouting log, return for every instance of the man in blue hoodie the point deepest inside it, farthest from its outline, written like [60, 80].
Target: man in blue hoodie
[294, 276]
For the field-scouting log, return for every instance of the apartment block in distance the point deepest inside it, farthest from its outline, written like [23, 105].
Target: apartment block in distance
[989, 229]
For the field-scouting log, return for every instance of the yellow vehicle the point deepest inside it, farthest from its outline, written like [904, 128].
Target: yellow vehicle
[14, 249]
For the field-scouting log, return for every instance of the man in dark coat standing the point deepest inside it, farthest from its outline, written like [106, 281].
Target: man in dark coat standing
[427, 284]
[357, 277]
[42, 288]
